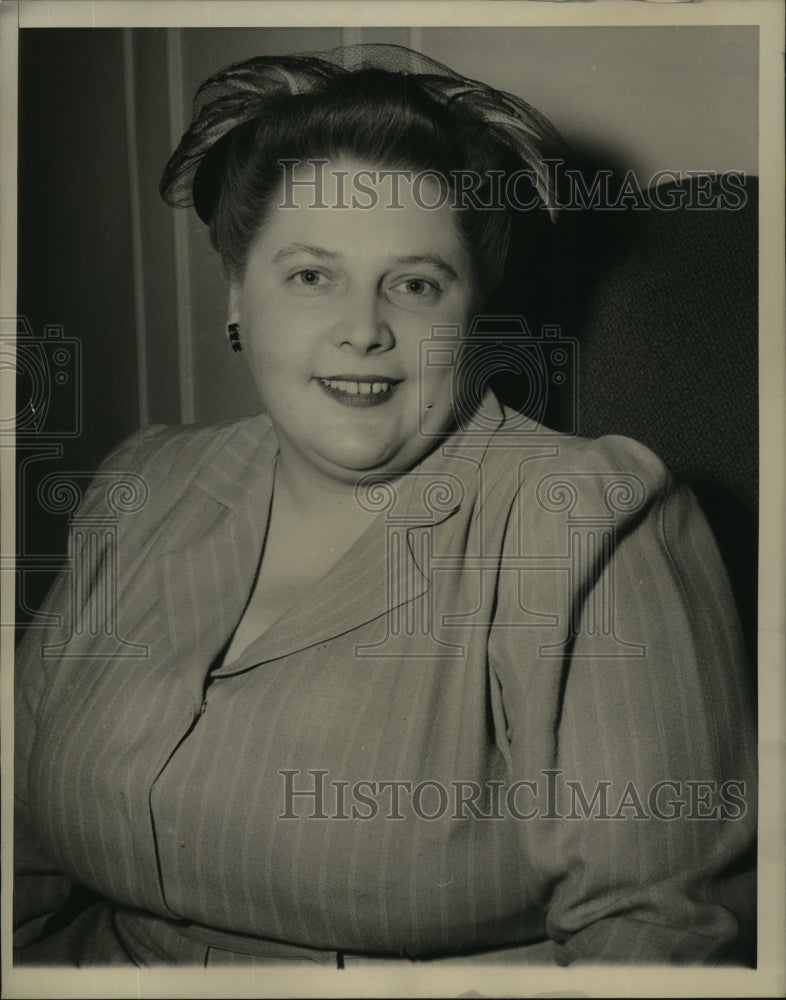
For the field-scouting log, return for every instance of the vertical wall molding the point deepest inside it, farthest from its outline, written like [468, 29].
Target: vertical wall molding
[137, 258]
[351, 36]
[185, 332]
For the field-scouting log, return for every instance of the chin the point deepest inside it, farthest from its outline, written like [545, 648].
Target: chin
[357, 463]
[360, 452]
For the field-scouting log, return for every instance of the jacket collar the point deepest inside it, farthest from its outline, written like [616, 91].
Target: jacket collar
[205, 584]
[241, 466]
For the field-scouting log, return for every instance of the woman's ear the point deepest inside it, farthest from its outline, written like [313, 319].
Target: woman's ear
[235, 302]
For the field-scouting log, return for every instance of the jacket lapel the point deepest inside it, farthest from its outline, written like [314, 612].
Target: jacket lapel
[205, 583]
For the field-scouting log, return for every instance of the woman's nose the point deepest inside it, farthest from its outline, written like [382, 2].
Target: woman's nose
[364, 326]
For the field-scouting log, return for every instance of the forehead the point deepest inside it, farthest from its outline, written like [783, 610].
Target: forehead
[369, 207]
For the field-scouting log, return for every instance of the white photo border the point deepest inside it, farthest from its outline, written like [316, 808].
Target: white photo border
[769, 979]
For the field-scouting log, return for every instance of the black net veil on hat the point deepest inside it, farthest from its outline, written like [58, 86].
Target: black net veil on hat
[249, 90]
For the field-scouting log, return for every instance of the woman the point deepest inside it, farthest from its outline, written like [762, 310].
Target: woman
[395, 670]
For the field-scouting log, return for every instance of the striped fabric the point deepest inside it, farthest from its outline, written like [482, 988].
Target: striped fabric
[511, 720]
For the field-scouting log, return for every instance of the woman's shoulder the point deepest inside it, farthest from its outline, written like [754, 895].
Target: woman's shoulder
[531, 458]
[160, 462]
[609, 453]
[167, 449]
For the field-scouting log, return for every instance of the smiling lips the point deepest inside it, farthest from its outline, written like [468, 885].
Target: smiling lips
[370, 390]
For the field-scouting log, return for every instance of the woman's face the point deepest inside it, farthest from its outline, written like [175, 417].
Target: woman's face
[333, 308]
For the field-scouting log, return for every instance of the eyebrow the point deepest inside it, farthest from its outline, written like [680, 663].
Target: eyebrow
[294, 249]
[430, 258]
[297, 248]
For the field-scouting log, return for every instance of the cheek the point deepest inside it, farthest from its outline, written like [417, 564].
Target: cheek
[279, 330]
[436, 390]
[272, 346]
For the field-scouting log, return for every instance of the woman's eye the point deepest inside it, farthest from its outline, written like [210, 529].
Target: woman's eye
[418, 288]
[309, 281]
[308, 277]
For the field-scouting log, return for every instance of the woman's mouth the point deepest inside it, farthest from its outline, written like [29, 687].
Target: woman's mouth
[367, 391]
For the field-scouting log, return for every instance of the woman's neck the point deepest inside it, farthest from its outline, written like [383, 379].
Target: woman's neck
[313, 496]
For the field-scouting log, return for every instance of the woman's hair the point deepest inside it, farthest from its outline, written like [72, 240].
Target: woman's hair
[246, 121]
[383, 120]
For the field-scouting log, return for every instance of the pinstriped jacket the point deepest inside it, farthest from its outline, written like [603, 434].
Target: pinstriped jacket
[511, 722]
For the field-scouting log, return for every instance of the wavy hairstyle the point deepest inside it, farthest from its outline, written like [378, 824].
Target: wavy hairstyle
[383, 105]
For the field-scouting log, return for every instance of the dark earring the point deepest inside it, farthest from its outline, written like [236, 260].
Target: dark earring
[233, 330]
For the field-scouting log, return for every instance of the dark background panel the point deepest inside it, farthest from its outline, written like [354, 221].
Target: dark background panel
[74, 267]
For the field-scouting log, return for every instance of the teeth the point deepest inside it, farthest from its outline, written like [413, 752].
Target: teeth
[357, 388]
